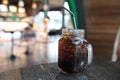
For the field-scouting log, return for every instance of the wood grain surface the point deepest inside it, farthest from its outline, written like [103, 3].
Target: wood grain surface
[100, 69]
[102, 21]
[11, 75]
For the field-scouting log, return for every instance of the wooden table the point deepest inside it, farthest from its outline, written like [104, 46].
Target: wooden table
[100, 69]
[11, 27]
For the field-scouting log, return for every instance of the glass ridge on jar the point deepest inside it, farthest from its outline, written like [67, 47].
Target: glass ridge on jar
[72, 52]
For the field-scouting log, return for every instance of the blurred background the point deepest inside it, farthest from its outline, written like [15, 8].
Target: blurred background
[30, 29]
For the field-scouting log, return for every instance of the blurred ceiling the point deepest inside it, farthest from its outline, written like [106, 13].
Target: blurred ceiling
[29, 11]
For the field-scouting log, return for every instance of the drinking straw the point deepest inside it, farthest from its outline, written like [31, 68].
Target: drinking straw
[74, 22]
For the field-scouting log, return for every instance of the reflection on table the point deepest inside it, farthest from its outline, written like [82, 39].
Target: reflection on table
[42, 52]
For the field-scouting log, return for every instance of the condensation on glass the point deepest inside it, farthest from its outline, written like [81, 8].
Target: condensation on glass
[72, 51]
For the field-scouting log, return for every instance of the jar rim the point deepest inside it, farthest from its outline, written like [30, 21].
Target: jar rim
[75, 32]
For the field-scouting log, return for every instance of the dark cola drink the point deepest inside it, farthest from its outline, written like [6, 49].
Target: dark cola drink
[72, 52]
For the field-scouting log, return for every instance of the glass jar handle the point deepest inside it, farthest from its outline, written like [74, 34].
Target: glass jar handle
[90, 54]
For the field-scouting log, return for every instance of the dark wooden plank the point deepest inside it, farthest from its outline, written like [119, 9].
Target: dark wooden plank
[102, 36]
[101, 69]
[103, 20]
[105, 2]
[48, 72]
